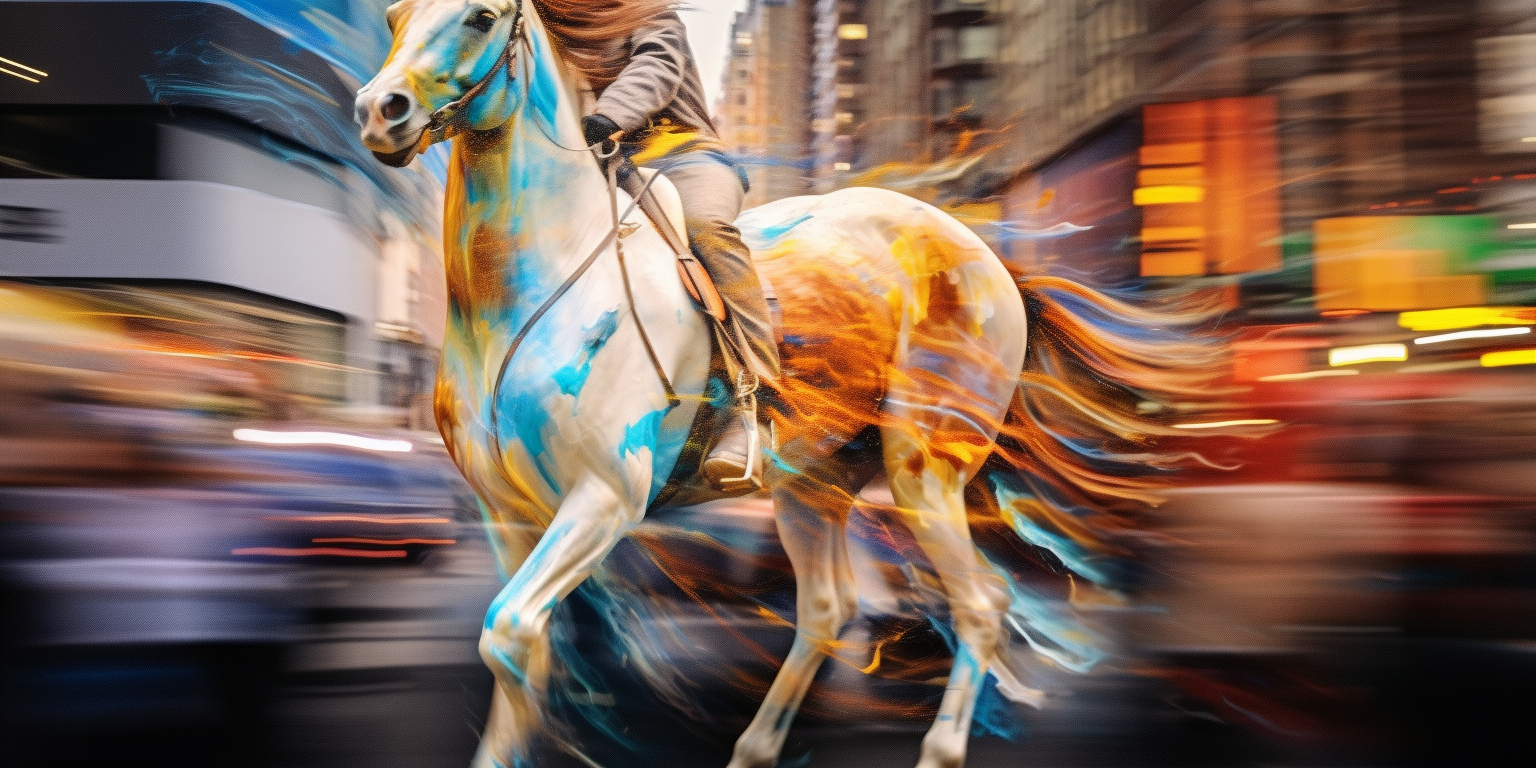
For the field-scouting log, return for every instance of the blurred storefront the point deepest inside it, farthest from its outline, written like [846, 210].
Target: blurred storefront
[188, 149]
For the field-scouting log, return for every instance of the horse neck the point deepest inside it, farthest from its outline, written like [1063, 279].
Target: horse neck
[528, 202]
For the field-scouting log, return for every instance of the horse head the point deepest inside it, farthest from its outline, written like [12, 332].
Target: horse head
[450, 68]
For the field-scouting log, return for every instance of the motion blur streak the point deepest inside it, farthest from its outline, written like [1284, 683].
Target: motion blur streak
[1367, 353]
[168, 590]
[1466, 317]
[1360, 593]
[385, 542]
[1462, 335]
[317, 552]
[375, 519]
[1231, 423]
[1508, 357]
[4, 60]
[320, 438]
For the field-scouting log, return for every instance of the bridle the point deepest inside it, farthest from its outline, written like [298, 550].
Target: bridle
[437, 125]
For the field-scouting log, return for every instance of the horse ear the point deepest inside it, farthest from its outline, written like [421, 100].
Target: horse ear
[393, 14]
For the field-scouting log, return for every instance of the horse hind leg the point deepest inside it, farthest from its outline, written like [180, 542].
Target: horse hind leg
[812, 518]
[929, 490]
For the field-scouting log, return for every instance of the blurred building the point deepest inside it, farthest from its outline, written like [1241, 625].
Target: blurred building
[1187, 138]
[937, 65]
[764, 118]
[1259, 120]
[207, 152]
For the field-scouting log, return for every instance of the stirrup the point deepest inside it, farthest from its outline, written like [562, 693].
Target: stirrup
[746, 403]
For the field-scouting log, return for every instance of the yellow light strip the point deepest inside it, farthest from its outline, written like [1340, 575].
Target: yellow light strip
[1367, 353]
[1167, 193]
[1232, 423]
[1508, 357]
[1466, 317]
[1310, 375]
[4, 60]
[20, 75]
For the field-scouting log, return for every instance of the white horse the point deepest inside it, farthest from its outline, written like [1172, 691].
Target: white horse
[895, 317]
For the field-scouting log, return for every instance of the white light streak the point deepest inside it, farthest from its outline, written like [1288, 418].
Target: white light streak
[1309, 375]
[1220, 424]
[1482, 334]
[321, 438]
[4, 60]
[18, 74]
[1367, 353]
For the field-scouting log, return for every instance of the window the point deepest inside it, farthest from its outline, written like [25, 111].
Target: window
[977, 43]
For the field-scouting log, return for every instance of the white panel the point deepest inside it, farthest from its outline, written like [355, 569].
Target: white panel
[189, 230]
[1506, 75]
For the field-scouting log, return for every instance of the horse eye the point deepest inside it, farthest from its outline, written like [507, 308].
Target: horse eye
[482, 21]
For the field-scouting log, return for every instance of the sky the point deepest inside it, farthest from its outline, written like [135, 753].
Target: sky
[709, 24]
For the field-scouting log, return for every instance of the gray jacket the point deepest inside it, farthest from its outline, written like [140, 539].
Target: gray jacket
[659, 83]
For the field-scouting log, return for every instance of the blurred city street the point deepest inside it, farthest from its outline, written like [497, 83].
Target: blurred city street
[231, 533]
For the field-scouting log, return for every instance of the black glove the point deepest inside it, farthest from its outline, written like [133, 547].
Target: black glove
[599, 130]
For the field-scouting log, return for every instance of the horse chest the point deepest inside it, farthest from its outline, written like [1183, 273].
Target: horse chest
[573, 401]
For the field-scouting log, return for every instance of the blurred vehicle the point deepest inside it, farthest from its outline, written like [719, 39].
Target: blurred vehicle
[197, 562]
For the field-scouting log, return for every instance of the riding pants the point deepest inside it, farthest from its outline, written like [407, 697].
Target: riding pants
[712, 194]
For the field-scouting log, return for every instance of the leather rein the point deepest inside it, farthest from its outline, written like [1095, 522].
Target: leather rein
[435, 130]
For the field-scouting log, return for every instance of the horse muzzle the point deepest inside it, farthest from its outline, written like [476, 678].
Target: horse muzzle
[392, 125]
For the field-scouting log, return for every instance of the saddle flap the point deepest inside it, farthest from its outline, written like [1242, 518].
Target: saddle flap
[664, 207]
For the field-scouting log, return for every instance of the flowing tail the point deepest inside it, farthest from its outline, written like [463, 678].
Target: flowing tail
[1082, 451]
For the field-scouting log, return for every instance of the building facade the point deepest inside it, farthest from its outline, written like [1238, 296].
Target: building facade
[199, 151]
[764, 117]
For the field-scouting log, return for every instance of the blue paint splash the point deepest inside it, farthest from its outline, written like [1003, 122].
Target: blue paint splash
[779, 230]
[644, 433]
[542, 91]
[1073, 555]
[574, 375]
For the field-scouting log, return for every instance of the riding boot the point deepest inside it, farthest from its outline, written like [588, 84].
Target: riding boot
[727, 466]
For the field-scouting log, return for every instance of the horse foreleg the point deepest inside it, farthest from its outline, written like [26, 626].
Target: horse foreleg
[515, 641]
[931, 492]
[813, 536]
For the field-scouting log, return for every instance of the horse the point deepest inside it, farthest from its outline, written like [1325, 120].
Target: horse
[567, 395]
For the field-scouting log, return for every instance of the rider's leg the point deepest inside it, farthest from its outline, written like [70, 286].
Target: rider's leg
[712, 193]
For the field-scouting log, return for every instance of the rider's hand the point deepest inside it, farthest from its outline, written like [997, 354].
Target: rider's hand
[598, 129]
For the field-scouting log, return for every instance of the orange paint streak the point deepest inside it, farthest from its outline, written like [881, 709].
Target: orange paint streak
[318, 552]
[384, 542]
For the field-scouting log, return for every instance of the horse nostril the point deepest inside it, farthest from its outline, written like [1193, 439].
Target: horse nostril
[394, 106]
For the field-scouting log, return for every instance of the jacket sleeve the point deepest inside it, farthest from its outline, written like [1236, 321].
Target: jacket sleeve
[658, 61]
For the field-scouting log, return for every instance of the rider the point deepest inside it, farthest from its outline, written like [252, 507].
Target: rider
[656, 102]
